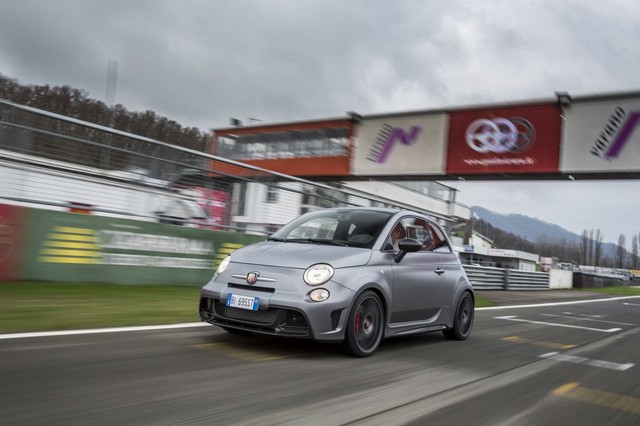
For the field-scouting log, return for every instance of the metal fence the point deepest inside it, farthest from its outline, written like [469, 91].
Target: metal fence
[57, 162]
[486, 278]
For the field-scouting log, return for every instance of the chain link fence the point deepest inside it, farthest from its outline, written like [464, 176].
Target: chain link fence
[56, 162]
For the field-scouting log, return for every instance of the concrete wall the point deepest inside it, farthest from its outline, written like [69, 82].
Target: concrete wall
[559, 279]
[582, 280]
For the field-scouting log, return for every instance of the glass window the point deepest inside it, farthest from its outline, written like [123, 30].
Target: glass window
[431, 237]
[272, 194]
[331, 142]
[352, 227]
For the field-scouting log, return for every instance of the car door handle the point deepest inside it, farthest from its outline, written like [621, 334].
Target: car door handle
[439, 271]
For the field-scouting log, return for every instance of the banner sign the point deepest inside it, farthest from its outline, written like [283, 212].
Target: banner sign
[523, 139]
[401, 146]
[71, 247]
[602, 136]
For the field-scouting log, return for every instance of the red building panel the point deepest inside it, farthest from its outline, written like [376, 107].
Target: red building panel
[276, 148]
[12, 230]
[511, 140]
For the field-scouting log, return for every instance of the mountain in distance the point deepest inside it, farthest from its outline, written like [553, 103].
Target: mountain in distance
[524, 226]
[532, 229]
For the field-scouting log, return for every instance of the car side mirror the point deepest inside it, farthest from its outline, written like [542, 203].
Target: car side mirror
[407, 245]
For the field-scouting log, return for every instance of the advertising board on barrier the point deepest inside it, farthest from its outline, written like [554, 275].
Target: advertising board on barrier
[80, 248]
[518, 139]
[401, 146]
[602, 136]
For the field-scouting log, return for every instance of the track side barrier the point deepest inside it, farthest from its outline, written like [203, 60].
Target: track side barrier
[486, 278]
[74, 247]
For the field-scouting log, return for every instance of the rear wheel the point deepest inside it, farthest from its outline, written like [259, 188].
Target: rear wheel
[463, 320]
[365, 326]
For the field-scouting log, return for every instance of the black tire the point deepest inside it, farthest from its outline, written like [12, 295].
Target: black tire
[463, 320]
[365, 326]
[236, 331]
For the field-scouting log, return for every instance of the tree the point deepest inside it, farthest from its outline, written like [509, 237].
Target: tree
[634, 252]
[598, 248]
[584, 248]
[76, 103]
[621, 251]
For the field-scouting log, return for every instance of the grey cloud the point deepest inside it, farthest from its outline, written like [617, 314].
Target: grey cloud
[200, 62]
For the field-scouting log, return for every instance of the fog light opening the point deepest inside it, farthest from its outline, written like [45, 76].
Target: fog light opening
[319, 295]
[295, 319]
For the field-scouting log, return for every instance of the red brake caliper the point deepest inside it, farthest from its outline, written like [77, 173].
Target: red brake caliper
[357, 329]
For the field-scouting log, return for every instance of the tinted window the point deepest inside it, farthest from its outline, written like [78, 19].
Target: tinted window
[431, 237]
[358, 228]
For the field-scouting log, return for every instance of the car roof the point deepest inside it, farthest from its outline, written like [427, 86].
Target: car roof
[395, 211]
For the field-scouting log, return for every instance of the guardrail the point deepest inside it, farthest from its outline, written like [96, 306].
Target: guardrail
[56, 162]
[485, 278]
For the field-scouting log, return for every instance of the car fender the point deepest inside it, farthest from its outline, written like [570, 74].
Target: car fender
[462, 285]
[383, 291]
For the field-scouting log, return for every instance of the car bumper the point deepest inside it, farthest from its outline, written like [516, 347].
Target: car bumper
[285, 309]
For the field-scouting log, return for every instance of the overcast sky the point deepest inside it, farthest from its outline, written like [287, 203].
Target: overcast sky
[200, 62]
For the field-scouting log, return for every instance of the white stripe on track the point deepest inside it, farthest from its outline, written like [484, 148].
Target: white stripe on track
[203, 324]
[102, 330]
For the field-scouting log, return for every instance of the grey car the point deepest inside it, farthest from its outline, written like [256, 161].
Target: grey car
[349, 275]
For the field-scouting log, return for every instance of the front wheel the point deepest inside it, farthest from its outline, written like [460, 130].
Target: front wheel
[365, 326]
[463, 320]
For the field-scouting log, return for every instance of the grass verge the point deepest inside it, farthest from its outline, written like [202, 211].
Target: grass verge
[28, 306]
[619, 290]
[35, 306]
[481, 302]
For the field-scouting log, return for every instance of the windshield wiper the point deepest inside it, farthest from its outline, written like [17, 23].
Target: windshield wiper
[315, 241]
[330, 242]
[280, 240]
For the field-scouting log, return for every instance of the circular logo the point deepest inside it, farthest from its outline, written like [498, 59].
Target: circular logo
[500, 135]
[252, 277]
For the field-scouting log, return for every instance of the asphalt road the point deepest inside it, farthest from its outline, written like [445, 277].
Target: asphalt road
[567, 364]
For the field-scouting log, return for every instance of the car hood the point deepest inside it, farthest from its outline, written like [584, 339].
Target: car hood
[298, 255]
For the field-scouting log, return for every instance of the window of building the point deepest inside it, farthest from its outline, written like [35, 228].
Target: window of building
[326, 142]
[272, 194]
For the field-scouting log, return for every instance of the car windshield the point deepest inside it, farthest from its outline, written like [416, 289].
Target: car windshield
[355, 228]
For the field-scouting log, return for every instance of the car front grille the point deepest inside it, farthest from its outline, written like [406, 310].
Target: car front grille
[267, 316]
[270, 321]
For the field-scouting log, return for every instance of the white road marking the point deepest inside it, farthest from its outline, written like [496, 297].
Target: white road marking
[583, 315]
[591, 319]
[553, 324]
[541, 305]
[203, 324]
[592, 362]
[631, 304]
[102, 330]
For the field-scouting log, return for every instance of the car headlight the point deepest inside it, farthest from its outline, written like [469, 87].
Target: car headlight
[318, 274]
[223, 265]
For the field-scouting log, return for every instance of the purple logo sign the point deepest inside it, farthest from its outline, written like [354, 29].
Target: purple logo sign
[615, 134]
[386, 139]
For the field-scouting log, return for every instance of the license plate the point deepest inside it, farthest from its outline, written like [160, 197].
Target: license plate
[243, 302]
